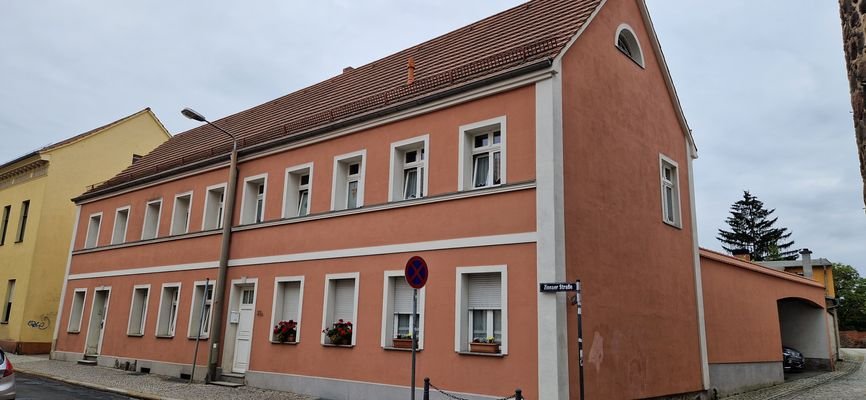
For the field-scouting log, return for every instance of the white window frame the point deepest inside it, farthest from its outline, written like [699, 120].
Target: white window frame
[207, 207]
[275, 318]
[461, 311]
[637, 58]
[388, 309]
[174, 229]
[466, 150]
[327, 311]
[292, 188]
[675, 190]
[195, 312]
[396, 179]
[340, 181]
[91, 240]
[72, 313]
[173, 323]
[121, 238]
[143, 321]
[249, 201]
[147, 207]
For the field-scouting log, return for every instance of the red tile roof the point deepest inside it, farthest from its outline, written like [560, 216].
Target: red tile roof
[518, 37]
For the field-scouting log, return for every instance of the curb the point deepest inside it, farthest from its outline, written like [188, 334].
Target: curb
[130, 393]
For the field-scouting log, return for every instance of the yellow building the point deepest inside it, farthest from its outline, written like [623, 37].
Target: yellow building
[819, 270]
[37, 217]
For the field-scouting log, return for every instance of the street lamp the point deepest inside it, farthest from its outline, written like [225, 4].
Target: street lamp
[219, 297]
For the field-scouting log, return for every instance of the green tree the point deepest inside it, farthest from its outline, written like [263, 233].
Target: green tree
[752, 229]
[851, 290]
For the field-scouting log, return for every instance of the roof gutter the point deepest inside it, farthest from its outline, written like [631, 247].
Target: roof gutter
[536, 66]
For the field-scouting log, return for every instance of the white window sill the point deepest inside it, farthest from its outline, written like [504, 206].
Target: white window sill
[470, 353]
[74, 332]
[673, 225]
[294, 343]
[338, 345]
[390, 348]
[205, 337]
[165, 336]
[135, 334]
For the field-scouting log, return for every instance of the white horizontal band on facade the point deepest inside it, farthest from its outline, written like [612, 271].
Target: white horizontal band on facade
[446, 244]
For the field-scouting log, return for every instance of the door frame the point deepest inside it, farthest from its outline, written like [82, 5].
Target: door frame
[104, 318]
[230, 334]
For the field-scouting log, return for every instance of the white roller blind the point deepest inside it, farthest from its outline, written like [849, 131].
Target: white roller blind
[344, 299]
[485, 291]
[291, 292]
[402, 296]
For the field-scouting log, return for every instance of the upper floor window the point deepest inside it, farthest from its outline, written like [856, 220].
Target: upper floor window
[22, 223]
[670, 189]
[299, 184]
[5, 223]
[93, 227]
[253, 209]
[121, 222]
[626, 42]
[482, 154]
[152, 214]
[408, 169]
[180, 214]
[348, 190]
[214, 204]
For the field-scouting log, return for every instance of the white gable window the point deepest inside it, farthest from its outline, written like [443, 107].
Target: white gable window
[626, 42]
[180, 214]
[138, 310]
[670, 189]
[348, 183]
[214, 204]
[482, 313]
[288, 299]
[201, 311]
[299, 186]
[121, 222]
[93, 228]
[397, 316]
[253, 208]
[76, 310]
[408, 176]
[341, 303]
[482, 154]
[152, 213]
[168, 306]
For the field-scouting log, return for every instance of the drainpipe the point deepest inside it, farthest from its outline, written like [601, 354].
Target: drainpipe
[228, 213]
[807, 263]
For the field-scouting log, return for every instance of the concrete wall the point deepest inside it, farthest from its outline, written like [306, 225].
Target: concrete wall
[741, 377]
[804, 327]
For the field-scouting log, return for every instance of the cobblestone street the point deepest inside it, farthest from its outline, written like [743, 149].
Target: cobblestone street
[850, 387]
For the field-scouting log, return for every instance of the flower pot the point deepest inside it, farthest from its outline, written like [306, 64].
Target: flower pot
[340, 340]
[489, 348]
[287, 338]
[403, 343]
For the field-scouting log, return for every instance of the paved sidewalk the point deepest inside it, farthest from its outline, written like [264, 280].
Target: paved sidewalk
[137, 385]
[795, 389]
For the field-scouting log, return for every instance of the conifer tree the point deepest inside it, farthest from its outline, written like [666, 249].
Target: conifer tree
[752, 229]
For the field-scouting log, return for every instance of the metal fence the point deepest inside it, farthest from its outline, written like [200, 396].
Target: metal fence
[518, 394]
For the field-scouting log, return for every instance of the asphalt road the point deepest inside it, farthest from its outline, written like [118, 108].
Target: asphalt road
[33, 387]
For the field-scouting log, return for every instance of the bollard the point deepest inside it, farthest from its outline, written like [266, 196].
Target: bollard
[426, 388]
[518, 394]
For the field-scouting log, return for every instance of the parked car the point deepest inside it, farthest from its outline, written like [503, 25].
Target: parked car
[792, 359]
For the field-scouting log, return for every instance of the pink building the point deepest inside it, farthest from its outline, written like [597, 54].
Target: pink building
[542, 144]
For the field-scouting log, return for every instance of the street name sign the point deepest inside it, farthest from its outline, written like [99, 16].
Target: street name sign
[558, 287]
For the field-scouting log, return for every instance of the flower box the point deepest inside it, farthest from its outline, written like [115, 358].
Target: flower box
[489, 348]
[402, 343]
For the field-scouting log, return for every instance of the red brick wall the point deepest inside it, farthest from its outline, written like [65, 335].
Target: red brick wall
[852, 339]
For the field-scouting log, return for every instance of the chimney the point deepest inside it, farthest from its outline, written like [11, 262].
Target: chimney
[743, 254]
[347, 69]
[411, 71]
[807, 262]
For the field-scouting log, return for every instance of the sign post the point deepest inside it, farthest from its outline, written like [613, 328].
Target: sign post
[416, 276]
[557, 287]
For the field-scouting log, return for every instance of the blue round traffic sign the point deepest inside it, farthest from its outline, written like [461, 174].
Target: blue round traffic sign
[416, 272]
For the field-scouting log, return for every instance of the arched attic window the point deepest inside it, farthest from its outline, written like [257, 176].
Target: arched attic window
[626, 42]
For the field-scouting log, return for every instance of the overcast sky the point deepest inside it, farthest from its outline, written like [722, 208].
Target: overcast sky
[764, 87]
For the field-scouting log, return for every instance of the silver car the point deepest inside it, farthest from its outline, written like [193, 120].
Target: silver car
[7, 380]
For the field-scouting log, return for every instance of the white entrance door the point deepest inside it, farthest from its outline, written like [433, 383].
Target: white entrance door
[97, 322]
[245, 330]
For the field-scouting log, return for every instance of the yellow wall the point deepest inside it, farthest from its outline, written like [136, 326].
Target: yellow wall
[38, 264]
[818, 275]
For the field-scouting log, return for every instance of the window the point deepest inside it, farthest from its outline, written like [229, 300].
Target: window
[92, 238]
[167, 316]
[397, 318]
[22, 223]
[180, 214]
[77, 309]
[296, 199]
[481, 306]
[670, 188]
[341, 300]
[10, 295]
[214, 204]
[482, 154]
[348, 190]
[138, 310]
[288, 295]
[152, 213]
[6, 211]
[253, 209]
[408, 169]
[627, 43]
[198, 316]
[121, 222]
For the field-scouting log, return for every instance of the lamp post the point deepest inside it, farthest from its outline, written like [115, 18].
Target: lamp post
[228, 213]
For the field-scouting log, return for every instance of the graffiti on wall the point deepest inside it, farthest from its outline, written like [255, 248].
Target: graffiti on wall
[42, 324]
